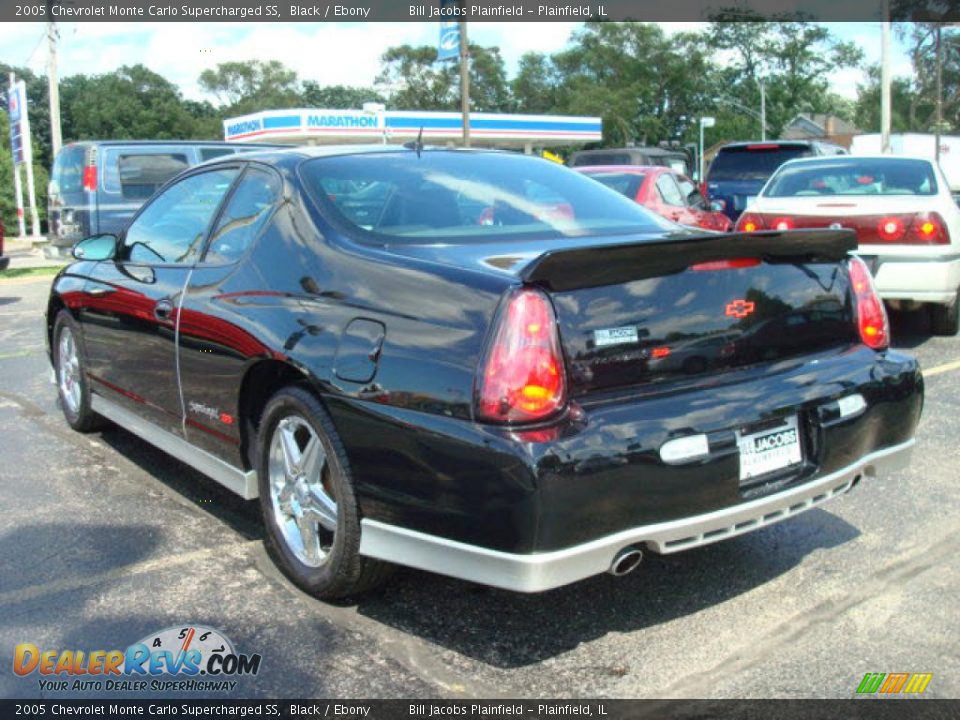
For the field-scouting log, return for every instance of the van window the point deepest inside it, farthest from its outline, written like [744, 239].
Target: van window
[137, 176]
[753, 162]
[68, 169]
[209, 153]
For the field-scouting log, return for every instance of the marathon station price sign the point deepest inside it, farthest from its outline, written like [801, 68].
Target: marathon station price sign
[468, 10]
[17, 110]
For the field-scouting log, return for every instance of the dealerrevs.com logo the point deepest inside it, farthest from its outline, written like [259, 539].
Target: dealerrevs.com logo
[193, 658]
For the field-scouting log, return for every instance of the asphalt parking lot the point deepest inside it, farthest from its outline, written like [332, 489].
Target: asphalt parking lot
[104, 540]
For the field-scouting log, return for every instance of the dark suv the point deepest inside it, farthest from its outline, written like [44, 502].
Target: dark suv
[741, 169]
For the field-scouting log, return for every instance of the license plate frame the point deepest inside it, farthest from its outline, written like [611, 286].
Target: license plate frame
[770, 451]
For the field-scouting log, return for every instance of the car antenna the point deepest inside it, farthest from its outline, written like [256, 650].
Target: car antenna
[416, 144]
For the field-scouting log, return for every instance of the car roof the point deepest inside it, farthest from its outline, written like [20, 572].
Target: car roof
[785, 143]
[627, 169]
[224, 143]
[853, 158]
[279, 154]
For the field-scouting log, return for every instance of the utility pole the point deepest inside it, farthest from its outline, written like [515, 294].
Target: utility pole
[56, 139]
[936, 152]
[885, 79]
[763, 110]
[465, 82]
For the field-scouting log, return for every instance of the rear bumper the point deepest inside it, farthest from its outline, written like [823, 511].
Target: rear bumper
[535, 572]
[933, 280]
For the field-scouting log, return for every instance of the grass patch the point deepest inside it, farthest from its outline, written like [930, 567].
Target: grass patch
[11, 273]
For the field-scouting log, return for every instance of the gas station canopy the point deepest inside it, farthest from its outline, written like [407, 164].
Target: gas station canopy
[320, 127]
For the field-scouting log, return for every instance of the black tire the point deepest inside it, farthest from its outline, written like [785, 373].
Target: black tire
[342, 572]
[945, 319]
[76, 409]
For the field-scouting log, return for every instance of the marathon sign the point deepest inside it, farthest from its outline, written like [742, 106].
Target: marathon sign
[17, 110]
[243, 127]
[341, 121]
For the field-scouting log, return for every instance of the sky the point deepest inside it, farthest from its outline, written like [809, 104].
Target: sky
[330, 53]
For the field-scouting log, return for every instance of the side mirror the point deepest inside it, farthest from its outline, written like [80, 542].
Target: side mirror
[718, 205]
[98, 247]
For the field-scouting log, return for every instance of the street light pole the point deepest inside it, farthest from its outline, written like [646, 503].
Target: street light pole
[465, 82]
[885, 79]
[704, 122]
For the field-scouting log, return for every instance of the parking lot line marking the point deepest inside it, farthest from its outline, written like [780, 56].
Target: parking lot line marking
[33, 592]
[946, 367]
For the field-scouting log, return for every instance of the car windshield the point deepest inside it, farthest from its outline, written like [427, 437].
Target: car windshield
[753, 162]
[854, 176]
[461, 197]
[626, 184]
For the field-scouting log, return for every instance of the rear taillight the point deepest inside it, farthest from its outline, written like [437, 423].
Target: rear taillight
[749, 222]
[890, 229]
[522, 378]
[928, 227]
[872, 319]
[90, 177]
[782, 223]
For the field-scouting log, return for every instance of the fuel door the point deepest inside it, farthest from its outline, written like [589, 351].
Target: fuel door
[359, 350]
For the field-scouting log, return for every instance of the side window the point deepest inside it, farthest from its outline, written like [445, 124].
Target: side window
[669, 191]
[691, 195]
[137, 176]
[172, 227]
[68, 170]
[246, 213]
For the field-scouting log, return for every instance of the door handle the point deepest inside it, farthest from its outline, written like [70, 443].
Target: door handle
[163, 310]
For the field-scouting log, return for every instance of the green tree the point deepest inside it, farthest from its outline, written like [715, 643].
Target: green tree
[337, 97]
[793, 59]
[902, 103]
[252, 85]
[536, 87]
[129, 103]
[646, 86]
[413, 79]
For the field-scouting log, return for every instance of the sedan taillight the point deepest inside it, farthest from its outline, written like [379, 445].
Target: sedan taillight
[522, 378]
[749, 222]
[872, 322]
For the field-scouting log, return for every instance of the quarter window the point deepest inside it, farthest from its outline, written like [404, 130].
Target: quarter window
[669, 191]
[171, 229]
[246, 213]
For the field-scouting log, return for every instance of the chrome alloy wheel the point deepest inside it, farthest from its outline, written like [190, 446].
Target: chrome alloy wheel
[300, 490]
[68, 371]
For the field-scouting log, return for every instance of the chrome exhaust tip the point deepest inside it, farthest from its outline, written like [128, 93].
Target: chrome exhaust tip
[625, 561]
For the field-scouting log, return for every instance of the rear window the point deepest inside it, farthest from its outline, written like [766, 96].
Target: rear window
[854, 176]
[604, 158]
[68, 169]
[753, 162]
[627, 184]
[466, 197]
[137, 176]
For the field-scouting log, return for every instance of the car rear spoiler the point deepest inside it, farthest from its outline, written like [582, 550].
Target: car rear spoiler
[583, 267]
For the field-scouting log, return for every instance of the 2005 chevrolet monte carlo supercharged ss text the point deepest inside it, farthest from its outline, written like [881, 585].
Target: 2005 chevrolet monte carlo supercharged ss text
[478, 363]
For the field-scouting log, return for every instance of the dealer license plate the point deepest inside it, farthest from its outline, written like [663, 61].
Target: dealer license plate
[769, 450]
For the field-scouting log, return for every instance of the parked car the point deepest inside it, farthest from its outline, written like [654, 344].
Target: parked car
[668, 193]
[664, 157]
[740, 169]
[96, 186]
[4, 259]
[902, 209]
[478, 399]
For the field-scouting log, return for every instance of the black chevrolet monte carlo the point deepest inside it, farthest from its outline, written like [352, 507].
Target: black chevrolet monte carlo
[478, 363]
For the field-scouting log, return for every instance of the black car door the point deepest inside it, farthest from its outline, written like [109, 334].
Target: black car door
[131, 304]
[218, 337]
